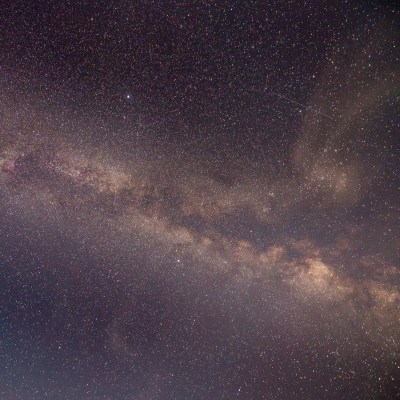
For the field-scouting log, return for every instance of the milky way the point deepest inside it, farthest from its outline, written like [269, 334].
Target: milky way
[191, 210]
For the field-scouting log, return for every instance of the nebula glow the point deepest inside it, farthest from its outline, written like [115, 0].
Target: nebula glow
[137, 263]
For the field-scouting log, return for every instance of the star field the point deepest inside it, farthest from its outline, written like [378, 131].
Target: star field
[199, 200]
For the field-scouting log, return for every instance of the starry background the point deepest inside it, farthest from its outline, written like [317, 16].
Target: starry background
[199, 200]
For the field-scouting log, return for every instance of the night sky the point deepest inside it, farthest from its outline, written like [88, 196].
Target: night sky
[199, 200]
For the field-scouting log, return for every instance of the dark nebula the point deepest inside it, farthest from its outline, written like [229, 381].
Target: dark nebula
[199, 200]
